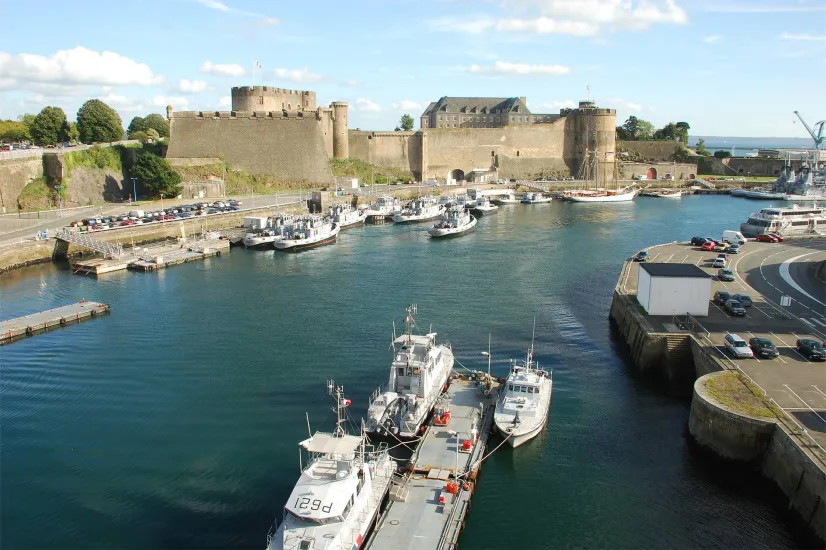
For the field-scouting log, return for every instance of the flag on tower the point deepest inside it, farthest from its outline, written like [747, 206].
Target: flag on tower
[257, 64]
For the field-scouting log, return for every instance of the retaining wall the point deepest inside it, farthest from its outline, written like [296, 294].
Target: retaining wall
[14, 176]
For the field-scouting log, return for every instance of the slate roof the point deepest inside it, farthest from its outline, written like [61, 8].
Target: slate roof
[482, 105]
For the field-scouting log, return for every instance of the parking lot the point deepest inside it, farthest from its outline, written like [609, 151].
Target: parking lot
[795, 383]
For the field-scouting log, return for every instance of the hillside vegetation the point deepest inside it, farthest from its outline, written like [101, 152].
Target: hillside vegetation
[368, 173]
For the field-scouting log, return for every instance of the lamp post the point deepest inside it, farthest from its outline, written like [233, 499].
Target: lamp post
[135, 189]
[59, 200]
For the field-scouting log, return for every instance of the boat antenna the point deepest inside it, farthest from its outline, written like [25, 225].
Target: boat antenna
[408, 321]
[336, 392]
[309, 431]
[533, 336]
[393, 342]
[488, 354]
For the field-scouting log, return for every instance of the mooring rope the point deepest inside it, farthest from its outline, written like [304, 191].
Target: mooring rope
[478, 462]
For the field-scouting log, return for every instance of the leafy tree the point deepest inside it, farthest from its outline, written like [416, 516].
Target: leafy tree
[12, 130]
[722, 154]
[701, 148]
[157, 123]
[622, 133]
[138, 124]
[636, 129]
[666, 133]
[97, 122]
[156, 175]
[72, 134]
[49, 126]
[681, 131]
[406, 122]
[152, 134]
[645, 130]
[139, 135]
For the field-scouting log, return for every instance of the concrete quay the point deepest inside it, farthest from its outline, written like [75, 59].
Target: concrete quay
[786, 441]
[29, 325]
[153, 258]
[422, 514]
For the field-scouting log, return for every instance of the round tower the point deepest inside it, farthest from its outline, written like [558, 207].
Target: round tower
[341, 145]
[596, 134]
[267, 98]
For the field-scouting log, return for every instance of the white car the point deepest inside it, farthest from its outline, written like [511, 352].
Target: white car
[718, 263]
[737, 346]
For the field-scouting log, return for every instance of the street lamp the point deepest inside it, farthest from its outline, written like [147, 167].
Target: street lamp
[135, 189]
[59, 201]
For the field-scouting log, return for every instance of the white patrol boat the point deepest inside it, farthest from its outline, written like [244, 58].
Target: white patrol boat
[420, 210]
[523, 408]
[384, 207]
[345, 216]
[335, 501]
[535, 198]
[418, 376]
[267, 236]
[307, 232]
[456, 221]
[483, 207]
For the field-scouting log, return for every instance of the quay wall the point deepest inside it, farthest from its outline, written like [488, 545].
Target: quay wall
[651, 151]
[765, 445]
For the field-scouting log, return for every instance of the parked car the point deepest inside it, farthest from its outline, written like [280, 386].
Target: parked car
[744, 299]
[726, 275]
[735, 308]
[718, 262]
[737, 346]
[721, 247]
[698, 241]
[723, 255]
[641, 256]
[721, 297]
[766, 238]
[708, 245]
[763, 347]
[811, 349]
[776, 237]
[734, 249]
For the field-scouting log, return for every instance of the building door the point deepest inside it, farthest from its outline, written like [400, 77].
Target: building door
[652, 173]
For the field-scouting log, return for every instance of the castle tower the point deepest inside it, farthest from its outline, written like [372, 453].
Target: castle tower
[341, 145]
[596, 132]
[267, 98]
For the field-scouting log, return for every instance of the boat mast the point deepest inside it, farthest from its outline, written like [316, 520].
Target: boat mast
[408, 321]
[336, 392]
[533, 336]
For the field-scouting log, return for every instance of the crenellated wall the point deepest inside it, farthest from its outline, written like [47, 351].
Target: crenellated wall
[290, 146]
[267, 98]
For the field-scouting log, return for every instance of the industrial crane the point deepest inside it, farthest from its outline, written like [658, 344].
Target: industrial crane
[818, 127]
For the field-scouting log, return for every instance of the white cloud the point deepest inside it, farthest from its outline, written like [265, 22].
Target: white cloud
[556, 105]
[717, 7]
[224, 101]
[804, 37]
[232, 69]
[519, 69]
[299, 76]
[78, 66]
[408, 105]
[179, 102]
[620, 104]
[572, 17]
[366, 105]
[711, 39]
[351, 82]
[191, 86]
[269, 21]
[546, 25]
[220, 6]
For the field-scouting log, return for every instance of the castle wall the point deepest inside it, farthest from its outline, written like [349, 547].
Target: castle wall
[400, 150]
[291, 149]
[650, 150]
[267, 98]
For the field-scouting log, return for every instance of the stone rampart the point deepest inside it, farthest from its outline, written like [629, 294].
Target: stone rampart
[745, 166]
[14, 176]
[400, 150]
[650, 150]
[680, 171]
[291, 148]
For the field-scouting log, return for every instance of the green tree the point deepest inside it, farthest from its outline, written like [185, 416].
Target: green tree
[637, 129]
[666, 133]
[681, 131]
[152, 134]
[622, 133]
[406, 122]
[156, 175]
[98, 123]
[13, 130]
[139, 135]
[157, 123]
[49, 126]
[27, 119]
[722, 154]
[701, 148]
[645, 130]
[138, 124]
[72, 134]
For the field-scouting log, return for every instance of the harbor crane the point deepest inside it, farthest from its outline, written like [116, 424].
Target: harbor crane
[816, 131]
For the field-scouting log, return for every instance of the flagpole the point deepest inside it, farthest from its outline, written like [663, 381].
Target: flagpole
[253, 73]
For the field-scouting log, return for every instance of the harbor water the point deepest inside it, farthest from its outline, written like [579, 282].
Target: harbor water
[173, 422]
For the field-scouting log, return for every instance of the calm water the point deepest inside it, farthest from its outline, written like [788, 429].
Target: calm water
[173, 422]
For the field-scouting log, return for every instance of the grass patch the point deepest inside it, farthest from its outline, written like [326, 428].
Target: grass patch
[734, 390]
[368, 173]
[732, 178]
[238, 182]
[95, 157]
[37, 195]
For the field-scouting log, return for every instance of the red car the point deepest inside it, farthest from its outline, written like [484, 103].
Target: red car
[777, 237]
[127, 222]
[766, 238]
[708, 245]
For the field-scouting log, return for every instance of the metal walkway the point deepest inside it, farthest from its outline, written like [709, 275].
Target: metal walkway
[110, 251]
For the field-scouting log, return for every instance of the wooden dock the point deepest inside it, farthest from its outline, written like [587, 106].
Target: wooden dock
[29, 325]
[422, 513]
[153, 258]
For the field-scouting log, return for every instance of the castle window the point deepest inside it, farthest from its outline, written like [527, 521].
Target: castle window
[440, 117]
[289, 107]
[454, 117]
[517, 153]
[519, 119]
[477, 119]
[484, 119]
[463, 119]
[511, 118]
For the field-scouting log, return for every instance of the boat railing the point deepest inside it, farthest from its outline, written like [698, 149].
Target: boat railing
[271, 532]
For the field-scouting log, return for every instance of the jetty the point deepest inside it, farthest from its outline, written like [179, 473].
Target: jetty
[29, 325]
[428, 504]
[152, 259]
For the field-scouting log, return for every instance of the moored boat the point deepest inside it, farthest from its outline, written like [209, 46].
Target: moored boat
[535, 198]
[418, 375]
[384, 207]
[794, 220]
[420, 210]
[345, 216]
[266, 237]
[337, 497]
[525, 400]
[622, 195]
[307, 232]
[483, 207]
[455, 221]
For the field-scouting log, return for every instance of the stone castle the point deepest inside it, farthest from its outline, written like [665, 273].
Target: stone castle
[283, 133]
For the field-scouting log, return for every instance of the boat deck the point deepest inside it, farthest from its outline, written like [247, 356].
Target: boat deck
[416, 519]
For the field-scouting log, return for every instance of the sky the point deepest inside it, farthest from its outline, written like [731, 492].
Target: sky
[727, 67]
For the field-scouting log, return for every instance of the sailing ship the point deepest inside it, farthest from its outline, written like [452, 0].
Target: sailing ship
[336, 500]
[525, 401]
[589, 169]
[418, 376]
[456, 221]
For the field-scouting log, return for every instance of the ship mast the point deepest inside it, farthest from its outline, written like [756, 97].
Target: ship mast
[408, 321]
[337, 392]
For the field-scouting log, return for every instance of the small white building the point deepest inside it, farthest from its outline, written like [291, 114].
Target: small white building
[674, 289]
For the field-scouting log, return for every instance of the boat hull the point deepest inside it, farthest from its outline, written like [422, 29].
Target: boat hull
[298, 247]
[486, 212]
[622, 197]
[517, 440]
[259, 244]
[452, 232]
[409, 220]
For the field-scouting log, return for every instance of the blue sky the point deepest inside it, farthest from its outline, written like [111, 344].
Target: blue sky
[728, 67]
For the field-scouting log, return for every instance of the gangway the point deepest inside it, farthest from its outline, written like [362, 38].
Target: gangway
[110, 251]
